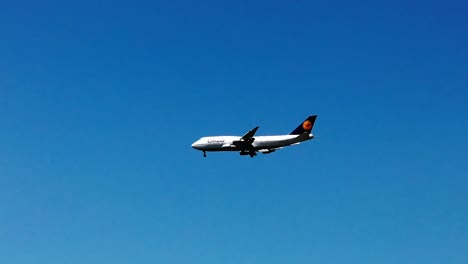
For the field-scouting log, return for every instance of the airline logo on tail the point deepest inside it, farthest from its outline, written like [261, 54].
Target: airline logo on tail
[306, 126]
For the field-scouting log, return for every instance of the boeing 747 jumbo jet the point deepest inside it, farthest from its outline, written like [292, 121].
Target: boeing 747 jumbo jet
[250, 145]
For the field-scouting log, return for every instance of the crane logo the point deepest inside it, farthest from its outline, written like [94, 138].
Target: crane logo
[307, 125]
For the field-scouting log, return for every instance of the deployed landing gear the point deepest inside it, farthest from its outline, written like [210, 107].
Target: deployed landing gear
[251, 153]
[204, 154]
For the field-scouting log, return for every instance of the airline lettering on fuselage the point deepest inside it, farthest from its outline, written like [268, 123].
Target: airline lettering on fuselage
[215, 141]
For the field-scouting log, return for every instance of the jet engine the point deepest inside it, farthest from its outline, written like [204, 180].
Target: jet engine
[266, 151]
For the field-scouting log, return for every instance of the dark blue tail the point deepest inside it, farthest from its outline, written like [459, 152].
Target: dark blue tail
[306, 126]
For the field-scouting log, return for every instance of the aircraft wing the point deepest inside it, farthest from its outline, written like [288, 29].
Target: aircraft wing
[249, 134]
[246, 141]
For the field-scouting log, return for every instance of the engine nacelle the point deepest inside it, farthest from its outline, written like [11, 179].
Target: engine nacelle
[266, 151]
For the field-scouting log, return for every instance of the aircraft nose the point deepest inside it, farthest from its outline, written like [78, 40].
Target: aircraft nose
[199, 144]
[195, 145]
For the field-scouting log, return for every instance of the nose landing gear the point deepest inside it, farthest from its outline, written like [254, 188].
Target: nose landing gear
[204, 154]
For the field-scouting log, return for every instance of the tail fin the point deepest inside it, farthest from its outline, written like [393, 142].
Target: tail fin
[306, 126]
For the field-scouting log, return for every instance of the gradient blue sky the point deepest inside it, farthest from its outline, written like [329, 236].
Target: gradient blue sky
[101, 100]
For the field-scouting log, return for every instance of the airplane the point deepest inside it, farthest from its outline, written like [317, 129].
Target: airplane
[248, 144]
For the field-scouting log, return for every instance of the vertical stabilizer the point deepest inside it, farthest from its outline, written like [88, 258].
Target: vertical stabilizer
[306, 126]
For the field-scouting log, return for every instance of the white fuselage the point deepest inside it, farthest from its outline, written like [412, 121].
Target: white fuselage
[261, 143]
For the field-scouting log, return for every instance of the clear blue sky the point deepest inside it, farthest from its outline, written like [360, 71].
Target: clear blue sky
[101, 100]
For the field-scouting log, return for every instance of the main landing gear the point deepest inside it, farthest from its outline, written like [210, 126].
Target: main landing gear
[204, 154]
[251, 153]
